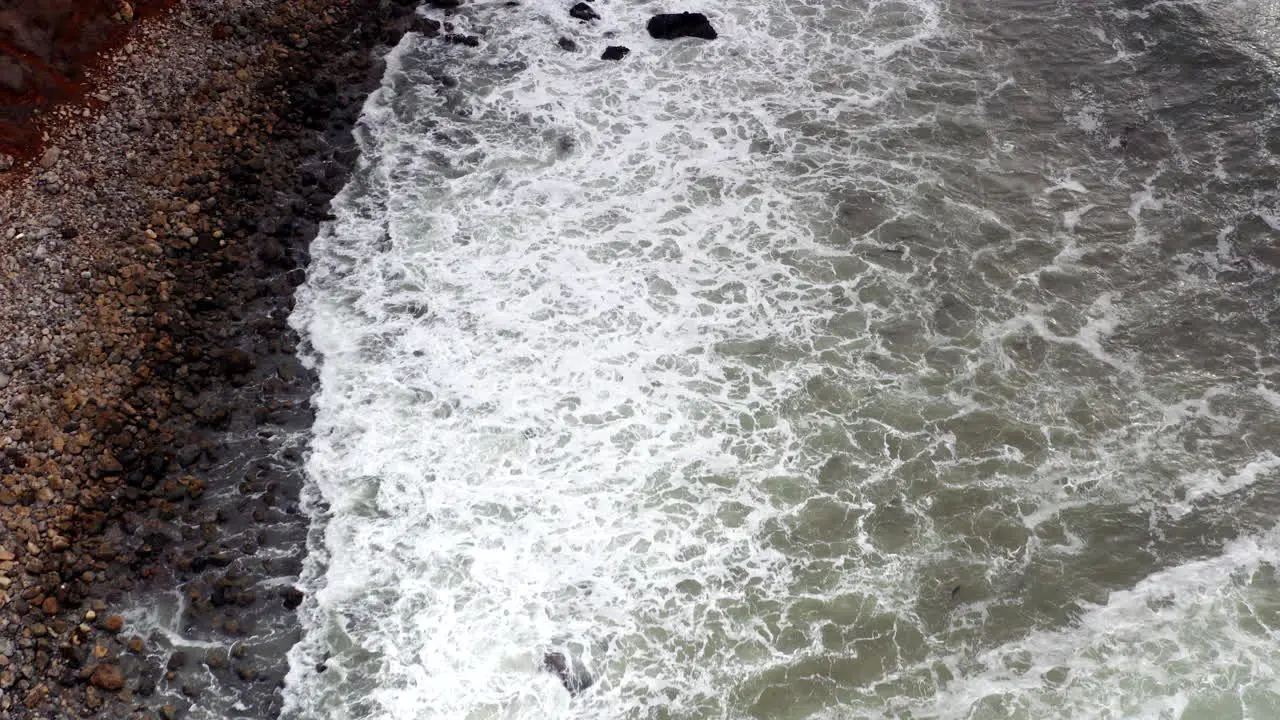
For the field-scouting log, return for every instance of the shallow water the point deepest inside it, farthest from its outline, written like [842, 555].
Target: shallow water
[904, 359]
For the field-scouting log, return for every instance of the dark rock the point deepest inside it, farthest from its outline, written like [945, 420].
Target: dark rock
[444, 4]
[567, 44]
[207, 243]
[457, 39]
[573, 676]
[177, 660]
[146, 686]
[188, 455]
[235, 361]
[670, 26]
[615, 52]
[425, 26]
[584, 12]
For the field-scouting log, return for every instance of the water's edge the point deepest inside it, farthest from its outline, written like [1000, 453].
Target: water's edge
[220, 615]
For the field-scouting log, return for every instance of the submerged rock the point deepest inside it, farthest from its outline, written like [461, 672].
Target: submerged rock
[670, 26]
[567, 45]
[573, 675]
[615, 52]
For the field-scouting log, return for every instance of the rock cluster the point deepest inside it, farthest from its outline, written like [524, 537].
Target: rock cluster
[665, 26]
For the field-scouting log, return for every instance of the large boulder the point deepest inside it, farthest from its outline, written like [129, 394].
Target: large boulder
[670, 26]
[584, 12]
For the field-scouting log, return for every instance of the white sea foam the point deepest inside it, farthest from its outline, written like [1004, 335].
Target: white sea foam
[664, 363]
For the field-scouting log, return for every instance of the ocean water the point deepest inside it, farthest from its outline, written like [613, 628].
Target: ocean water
[907, 359]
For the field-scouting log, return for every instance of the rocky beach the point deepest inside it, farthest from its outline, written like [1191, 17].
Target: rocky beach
[154, 222]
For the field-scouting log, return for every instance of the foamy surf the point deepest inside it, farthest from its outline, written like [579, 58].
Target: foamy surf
[721, 372]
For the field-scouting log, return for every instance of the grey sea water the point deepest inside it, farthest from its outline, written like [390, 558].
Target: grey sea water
[877, 359]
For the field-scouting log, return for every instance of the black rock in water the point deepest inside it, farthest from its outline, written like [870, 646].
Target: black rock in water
[567, 44]
[459, 39]
[444, 4]
[615, 52]
[425, 26]
[677, 25]
[574, 677]
[584, 12]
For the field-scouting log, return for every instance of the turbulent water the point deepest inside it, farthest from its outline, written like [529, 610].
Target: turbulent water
[902, 359]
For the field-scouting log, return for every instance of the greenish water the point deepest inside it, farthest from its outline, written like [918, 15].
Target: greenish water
[876, 360]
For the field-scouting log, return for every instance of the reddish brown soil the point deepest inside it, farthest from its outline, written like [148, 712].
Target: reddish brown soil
[47, 50]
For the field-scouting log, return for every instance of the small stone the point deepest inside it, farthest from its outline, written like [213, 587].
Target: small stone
[50, 157]
[35, 696]
[113, 624]
[50, 606]
[135, 644]
[5, 555]
[169, 712]
[177, 660]
[100, 651]
[6, 162]
[108, 465]
[107, 677]
[615, 52]
[4, 381]
[567, 45]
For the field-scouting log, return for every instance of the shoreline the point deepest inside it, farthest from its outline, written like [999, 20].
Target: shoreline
[151, 407]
